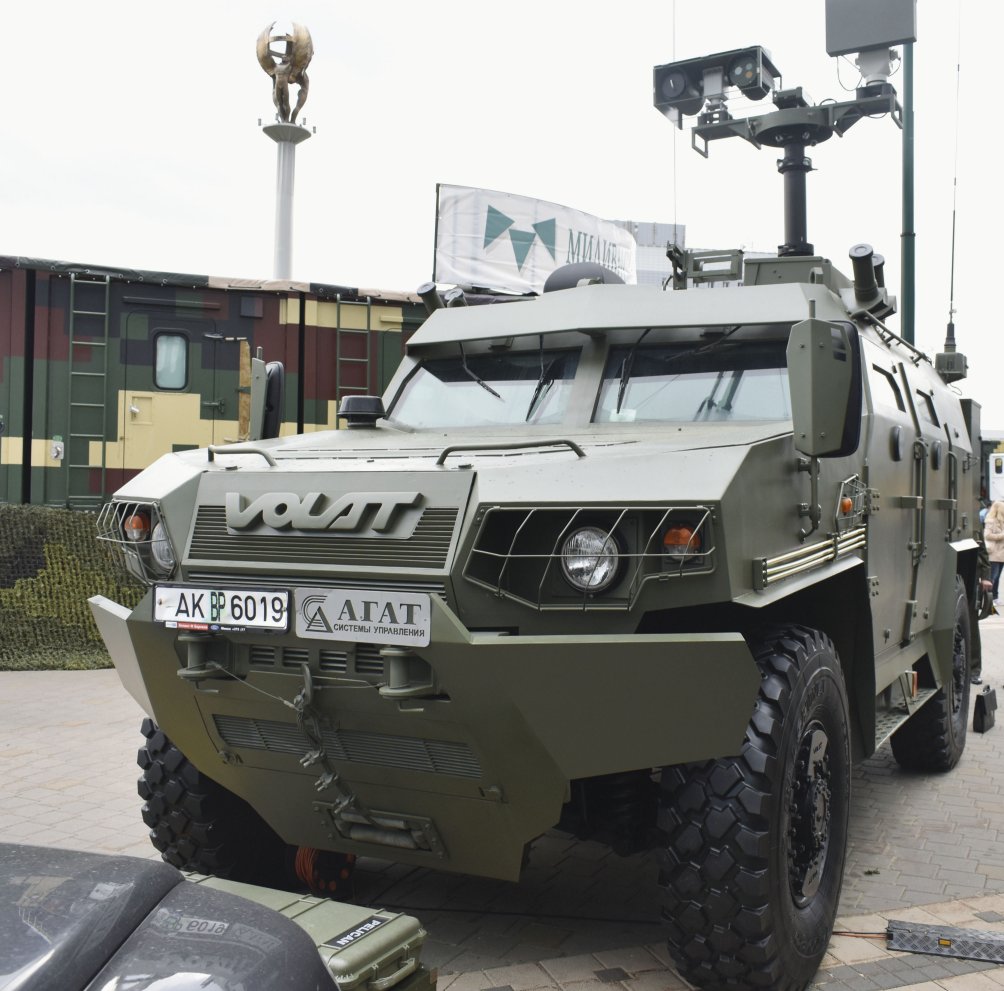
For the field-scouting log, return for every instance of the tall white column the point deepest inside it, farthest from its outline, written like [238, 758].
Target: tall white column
[286, 137]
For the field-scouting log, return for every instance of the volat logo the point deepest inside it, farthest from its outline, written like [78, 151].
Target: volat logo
[314, 511]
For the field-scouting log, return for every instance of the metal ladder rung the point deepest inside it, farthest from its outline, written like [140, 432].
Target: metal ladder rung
[94, 322]
[342, 361]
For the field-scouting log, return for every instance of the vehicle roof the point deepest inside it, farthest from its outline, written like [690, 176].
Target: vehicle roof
[603, 307]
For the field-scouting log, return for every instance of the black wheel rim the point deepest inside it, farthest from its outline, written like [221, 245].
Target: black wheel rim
[810, 814]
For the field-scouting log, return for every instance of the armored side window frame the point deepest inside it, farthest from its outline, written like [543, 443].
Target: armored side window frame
[926, 408]
[890, 378]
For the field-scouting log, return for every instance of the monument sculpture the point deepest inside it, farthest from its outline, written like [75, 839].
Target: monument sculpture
[285, 58]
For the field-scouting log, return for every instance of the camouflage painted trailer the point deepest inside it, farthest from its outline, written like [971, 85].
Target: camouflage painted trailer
[103, 370]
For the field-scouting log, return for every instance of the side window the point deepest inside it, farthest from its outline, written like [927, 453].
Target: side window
[925, 408]
[894, 392]
[170, 361]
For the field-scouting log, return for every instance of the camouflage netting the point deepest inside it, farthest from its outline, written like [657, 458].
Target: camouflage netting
[50, 564]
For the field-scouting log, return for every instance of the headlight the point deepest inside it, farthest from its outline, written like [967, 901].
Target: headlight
[161, 550]
[589, 559]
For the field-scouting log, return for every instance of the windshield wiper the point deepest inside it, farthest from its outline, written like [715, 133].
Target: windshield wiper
[709, 402]
[544, 383]
[626, 367]
[484, 385]
[628, 363]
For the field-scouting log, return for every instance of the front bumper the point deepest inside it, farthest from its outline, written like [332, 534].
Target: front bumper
[469, 772]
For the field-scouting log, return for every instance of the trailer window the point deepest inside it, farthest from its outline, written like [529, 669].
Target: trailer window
[737, 381]
[170, 361]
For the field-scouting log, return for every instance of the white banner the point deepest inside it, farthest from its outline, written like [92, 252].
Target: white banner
[502, 241]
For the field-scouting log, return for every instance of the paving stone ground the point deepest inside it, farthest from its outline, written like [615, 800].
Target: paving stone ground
[923, 848]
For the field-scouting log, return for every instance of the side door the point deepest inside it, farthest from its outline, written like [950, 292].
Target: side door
[177, 392]
[893, 561]
[933, 474]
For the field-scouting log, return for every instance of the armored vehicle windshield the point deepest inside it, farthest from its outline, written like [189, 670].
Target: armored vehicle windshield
[493, 389]
[733, 381]
[665, 374]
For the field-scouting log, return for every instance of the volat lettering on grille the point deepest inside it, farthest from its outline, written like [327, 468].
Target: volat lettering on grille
[314, 511]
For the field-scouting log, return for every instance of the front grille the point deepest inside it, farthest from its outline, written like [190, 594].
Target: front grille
[403, 752]
[293, 657]
[368, 659]
[261, 656]
[361, 659]
[428, 547]
[333, 660]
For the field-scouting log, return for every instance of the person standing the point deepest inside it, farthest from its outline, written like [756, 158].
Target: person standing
[993, 535]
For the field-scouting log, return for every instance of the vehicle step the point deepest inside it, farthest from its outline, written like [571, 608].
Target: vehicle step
[890, 720]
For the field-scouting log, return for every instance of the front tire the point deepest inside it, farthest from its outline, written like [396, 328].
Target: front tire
[198, 825]
[754, 859]
[933, 738]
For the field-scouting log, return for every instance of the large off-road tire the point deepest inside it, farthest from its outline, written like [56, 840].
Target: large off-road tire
[933, 738]
[754, 854]
[198, 825]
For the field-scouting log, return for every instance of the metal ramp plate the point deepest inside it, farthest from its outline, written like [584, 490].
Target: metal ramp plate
[946, 941]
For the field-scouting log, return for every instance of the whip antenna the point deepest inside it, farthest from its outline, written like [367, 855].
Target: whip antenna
[950, 335]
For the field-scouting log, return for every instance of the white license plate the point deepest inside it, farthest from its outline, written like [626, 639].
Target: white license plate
[225, 609]
[364, 616]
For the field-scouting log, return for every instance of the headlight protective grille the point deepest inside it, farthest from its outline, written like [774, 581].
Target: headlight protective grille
[582, 557]
[139, 532]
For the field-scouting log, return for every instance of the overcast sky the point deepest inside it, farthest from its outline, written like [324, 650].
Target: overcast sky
[131, 138]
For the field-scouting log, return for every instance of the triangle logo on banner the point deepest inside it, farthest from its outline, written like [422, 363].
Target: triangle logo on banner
[496, 224]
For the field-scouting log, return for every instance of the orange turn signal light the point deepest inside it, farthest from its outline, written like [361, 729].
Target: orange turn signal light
[846, 505]
[137, 526]
[681, 540]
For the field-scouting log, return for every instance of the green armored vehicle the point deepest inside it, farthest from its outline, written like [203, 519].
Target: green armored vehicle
[651, 566]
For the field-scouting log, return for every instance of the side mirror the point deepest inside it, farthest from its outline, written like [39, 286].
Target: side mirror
[275, 389]
[824, 379]
[257, 414]
[267, 389]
